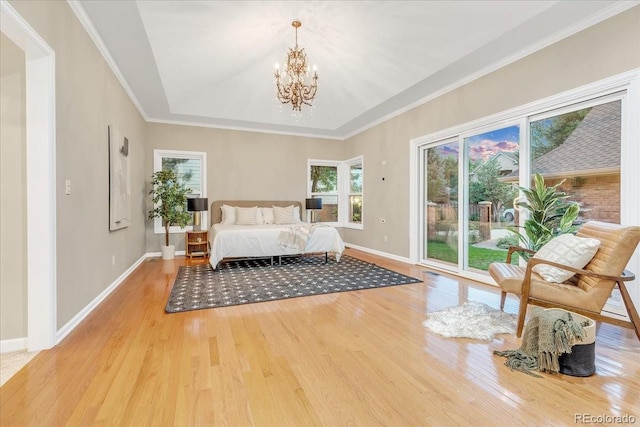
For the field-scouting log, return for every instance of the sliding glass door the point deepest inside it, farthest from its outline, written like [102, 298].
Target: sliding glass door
[466, 177]
[440, 210]
[491, 178]
[468, 198]
[469, 182]
[579, 148]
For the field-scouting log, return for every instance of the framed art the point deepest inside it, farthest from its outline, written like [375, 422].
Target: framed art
[119, 180]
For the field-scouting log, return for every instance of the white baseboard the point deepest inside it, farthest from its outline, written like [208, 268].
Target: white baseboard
[156, 254]
[78, 318]
[380, 253]
[14, 344]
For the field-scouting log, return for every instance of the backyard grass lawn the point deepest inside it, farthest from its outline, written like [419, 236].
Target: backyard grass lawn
[479, 258]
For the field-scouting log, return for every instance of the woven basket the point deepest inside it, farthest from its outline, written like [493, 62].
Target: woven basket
[581, 361]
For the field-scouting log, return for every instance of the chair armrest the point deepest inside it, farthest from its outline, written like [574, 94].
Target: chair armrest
[624, 277]
[513, 249]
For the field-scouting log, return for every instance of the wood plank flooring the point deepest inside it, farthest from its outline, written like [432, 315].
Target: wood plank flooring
[355, 358]
[12, 362]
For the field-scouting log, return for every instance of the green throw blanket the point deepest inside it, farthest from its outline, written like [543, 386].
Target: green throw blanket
[547, 336]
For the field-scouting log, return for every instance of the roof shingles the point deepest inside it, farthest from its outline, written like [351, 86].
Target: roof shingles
[593, 146]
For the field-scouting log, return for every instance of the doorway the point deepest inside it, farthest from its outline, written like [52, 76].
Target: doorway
[40, 173]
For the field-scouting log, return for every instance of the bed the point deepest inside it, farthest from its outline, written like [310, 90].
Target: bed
[229, 238]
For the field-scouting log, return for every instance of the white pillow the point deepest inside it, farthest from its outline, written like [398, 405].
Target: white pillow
[268, 215]
[228, 214]
[296, 214]
[284, 215]
[247, 216]
[259, 216]
[565, 249]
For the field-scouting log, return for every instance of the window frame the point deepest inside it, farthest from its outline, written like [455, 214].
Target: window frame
[331, 163]
[347, 193]
[158, 156]
[343, 190]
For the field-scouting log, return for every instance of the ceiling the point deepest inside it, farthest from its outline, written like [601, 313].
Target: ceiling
[211, 63]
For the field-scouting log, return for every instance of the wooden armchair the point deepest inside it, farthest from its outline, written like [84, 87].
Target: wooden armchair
[589, 289]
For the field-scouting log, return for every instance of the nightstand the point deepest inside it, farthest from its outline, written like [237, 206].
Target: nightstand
[196, 244]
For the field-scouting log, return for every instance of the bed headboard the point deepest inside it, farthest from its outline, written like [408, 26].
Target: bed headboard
[216, 213]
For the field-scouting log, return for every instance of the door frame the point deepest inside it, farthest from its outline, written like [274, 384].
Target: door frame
[41, 178]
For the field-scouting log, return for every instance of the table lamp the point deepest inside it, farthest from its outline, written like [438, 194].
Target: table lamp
[313, 205]
[197, 205]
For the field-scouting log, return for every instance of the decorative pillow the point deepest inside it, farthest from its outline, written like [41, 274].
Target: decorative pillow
[268, 215]
[565, 249]
[296, 214]
[228, 214]
[259, 216]
[246, 216]
[283, 215]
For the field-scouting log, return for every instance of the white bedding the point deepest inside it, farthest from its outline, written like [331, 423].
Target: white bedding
[239, 241]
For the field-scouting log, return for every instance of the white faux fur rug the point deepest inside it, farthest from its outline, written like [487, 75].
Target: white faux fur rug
[471, 320]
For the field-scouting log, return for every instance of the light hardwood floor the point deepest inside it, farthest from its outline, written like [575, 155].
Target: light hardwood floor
[354, 358]
[12, 362]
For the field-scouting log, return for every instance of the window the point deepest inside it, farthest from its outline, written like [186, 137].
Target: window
[191, 168]
[340, 186]
[323, 184]
[579, 147]
[354, 192]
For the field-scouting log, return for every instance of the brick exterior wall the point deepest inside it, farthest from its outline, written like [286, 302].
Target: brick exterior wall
[598, 196]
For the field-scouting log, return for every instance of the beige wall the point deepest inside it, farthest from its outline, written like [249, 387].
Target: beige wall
[88, 99]
[606, 49]
[241, 165]
[13, 205]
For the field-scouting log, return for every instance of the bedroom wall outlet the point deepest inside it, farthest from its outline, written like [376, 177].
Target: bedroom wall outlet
[385, 238]
[382, 220]
[113, 260]
[67, 186]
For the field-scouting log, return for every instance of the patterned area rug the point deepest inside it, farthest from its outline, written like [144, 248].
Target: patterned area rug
[242, 282]
[471, 320]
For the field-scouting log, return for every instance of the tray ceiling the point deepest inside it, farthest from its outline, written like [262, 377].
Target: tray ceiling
[211, 63]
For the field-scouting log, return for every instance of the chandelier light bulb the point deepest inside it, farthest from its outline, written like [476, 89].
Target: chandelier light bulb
[296, 91]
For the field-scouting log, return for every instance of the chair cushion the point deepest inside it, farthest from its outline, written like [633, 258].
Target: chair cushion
[565, 249]
[510, 277]
[617, 245]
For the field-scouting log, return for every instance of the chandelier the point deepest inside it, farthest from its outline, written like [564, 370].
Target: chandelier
[290, 83]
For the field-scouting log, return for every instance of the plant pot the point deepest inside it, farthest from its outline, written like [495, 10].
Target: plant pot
[168, 252]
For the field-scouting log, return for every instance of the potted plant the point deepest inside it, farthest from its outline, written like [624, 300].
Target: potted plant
[550, 214]
[170, 205]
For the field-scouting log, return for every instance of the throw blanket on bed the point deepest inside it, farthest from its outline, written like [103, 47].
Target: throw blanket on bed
[297, 236]
[547, 336]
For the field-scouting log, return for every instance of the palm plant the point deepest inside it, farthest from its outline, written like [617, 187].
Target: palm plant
[550, 214]
[169, 200]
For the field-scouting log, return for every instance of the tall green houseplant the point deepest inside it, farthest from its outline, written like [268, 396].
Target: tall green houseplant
[169, 200]
[550, 214]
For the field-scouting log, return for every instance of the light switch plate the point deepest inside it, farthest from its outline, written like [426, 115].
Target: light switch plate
[67, 187]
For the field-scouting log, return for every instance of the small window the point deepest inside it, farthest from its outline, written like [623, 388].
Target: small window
[340, 186]
[191, 168]
[355, 191]
[323, 184]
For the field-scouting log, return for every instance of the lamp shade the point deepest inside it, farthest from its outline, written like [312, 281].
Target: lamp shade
[313, 203]
[197, 204]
